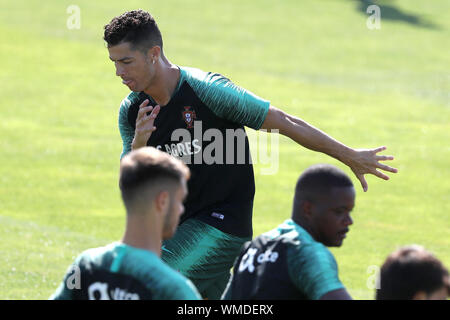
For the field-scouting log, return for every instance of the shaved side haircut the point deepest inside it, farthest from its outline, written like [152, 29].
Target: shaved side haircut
[148, 168]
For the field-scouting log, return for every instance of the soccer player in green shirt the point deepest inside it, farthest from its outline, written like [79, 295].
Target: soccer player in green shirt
[153, 186]
[187, 112]
[292, 261]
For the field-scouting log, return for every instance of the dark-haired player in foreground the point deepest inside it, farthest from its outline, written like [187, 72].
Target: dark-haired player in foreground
[292, 261]
[188, 112]
[413, 273]
[153, 186]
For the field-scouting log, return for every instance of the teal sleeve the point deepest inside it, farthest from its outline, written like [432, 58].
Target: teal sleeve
[227, 100]
[174, 286]
[125, 129]
[187, 292]
[313, 270]
[164, 282]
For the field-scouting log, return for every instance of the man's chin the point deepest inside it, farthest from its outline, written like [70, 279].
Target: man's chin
[334, 243]
[132, 86]
[339, 242]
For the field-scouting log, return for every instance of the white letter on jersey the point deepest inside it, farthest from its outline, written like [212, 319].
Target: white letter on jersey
[247, 260]
[100, 287]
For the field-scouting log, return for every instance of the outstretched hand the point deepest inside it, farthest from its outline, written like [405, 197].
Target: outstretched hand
[366, 161]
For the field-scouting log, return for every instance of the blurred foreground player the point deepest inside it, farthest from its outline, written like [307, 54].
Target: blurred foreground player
[413, 273]
[292, 261]
[153, 186]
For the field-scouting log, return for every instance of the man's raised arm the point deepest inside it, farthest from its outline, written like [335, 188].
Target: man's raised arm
[360, 161]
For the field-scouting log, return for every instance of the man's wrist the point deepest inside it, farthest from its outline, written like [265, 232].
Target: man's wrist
[346, 155]
[136, 144]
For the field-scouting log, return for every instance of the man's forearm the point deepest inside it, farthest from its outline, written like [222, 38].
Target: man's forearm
[314, 139]
[307, 135]
[360, 161]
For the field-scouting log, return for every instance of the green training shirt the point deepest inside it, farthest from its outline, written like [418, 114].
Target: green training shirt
[203, 125]
[121, 272]
[285, 263]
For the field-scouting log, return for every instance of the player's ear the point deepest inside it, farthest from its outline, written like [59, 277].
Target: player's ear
[154, 53]
[307, 208]
[162, 201]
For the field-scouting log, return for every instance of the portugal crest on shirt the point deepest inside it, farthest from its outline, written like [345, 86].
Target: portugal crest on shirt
[189, 116]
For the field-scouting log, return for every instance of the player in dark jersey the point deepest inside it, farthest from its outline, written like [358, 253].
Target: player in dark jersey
[292, 261]
[153, 186]
[197, 116]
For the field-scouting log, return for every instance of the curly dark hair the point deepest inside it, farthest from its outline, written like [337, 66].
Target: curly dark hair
[137, 27]
[409, 270]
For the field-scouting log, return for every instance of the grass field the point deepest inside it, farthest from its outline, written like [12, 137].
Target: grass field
[60, 143]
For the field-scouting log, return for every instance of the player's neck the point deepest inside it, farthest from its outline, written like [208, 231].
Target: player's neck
[143, 232]
[164, 82]
[306, 226]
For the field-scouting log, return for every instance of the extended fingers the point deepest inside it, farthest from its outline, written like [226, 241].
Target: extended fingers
[383, 158]
[363, 181]
[144, 103]
[386, 168]
[380, 174]
[379, 149]
[143, 109]
[143, 119]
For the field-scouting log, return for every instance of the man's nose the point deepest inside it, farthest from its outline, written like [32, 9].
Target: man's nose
[119, 71]
[348, 220]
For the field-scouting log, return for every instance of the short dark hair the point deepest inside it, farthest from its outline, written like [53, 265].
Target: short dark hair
[319, 179]
[409, 270]
[147, 167]
[136, 27]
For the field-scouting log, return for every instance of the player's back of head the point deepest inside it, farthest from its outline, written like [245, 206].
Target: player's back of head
[148, 170]
[411, 272]
[137, 27]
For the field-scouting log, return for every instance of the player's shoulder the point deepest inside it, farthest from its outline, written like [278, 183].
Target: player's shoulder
[301, 244]
[159, 277]
[315, 253]
[98, 256]
[198, 78]
[130, 99]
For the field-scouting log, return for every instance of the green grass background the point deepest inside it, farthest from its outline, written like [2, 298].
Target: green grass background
[60, 144]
